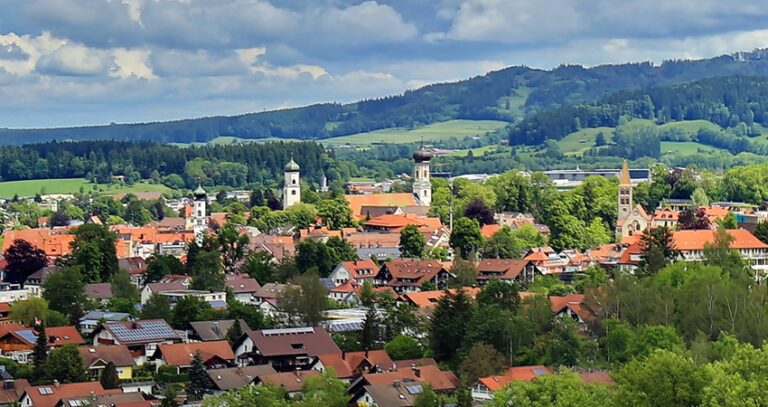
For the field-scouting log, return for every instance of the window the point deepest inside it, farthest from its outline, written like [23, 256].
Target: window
[293, 192]
[293, 181]
[199, 213]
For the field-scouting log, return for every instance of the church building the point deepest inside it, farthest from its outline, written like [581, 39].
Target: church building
[632, 218]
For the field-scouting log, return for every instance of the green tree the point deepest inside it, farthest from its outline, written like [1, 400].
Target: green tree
[122, 287]
[502, 245]
[559, 390]
[109, 378]
[306, 301]
[658, 249]
[200, 383]
[464, 273]
[188, 309]
[64, 289]
[761, 231]
[503, 294]
[233, 245]
[23, 259]
[66, 365]
[448, 326]
[234, 332]
[159, 265]
[411, 242]
[94, 250]
[27, 311]
[157, 307]
[369, 334]
[403, 348]
[595, 234]
[566, 230]
[40, 354]
[481, 361]
[699, 198]
[259, 265]
[325, 390]
[206, 271]
[335, 212]
[649, 338]
[427, 398]
[466, 237]
[663, 379]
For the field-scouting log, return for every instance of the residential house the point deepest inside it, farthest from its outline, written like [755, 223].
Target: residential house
[152, 288]
[506, 270]
[18, 343]
[358, 271]
[350, 365]
[214, 354]
[292, 382]
[429, 299]
[92, 319]
[13, 292]
[101, 292]
[12, 389]
[666, 217]
[34, 282]
[382, 245]
[484, 388]
[136, 266]
[50, 395]
[357, 202]
[111, 399]
[572, 306]
[97, 357]
[244, 288]
[142, 337]
[405, 381]
[408, 275]
[285, 349]
[346, 292]
[54, 242]
[207, 331]
[216, 299]
[237, 377]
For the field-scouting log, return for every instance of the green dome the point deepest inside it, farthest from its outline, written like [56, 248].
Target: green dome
[292, 166]
[199, 192]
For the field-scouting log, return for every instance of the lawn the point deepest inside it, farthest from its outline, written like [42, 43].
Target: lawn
[432, 132]
[70, 186]
[685, 147]
[579, 141]
[691, 126]
[477, 152]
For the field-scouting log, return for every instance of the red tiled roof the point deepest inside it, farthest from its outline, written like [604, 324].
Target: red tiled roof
[356, 268]
[348, 287]
[489, 230]
[527, 373]
[243, 285]
[52, 242]
[64, 335]
[431, 374]
[66, 390]
[181, 354]
[117, 354]
[505, 269]
[275, 343]
[350, 363]
[424, 299]
[356, 202]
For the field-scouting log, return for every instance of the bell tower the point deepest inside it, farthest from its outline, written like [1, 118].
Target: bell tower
[198, 214]
[292, 187]
[422, 186]
[625, 193]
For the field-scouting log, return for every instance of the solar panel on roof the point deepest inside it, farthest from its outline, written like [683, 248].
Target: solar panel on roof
[28, 335]
[539, 372]
[287, 331]
[144, 331]
[414, 389]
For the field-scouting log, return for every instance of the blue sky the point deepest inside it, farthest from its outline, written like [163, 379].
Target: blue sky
[80, 62]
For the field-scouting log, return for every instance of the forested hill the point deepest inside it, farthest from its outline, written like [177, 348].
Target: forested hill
[736, 103]
[509, 95]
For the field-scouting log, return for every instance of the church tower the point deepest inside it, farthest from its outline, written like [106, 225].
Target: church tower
[292, 187]
[198, 214]
[422, 187]
[625, 193]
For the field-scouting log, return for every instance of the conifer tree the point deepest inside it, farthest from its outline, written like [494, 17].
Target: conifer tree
[234, 333]
[40, 354]
[199, 381]
[109, 378]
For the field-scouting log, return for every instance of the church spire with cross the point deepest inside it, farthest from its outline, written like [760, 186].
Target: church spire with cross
[422, 186]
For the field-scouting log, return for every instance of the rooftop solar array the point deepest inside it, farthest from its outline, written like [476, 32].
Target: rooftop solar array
[288, 331]
[414, 389]
[347, 326]
[28, 335]
[539, 372]
[144, 331]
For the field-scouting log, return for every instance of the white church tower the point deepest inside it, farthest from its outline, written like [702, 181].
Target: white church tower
[198, 214]
[422, 187]
[292, 188]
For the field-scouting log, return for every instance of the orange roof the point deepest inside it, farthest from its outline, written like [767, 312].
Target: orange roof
[393, 221]
[527, 373]
[666, 214]
[53, 242]
[715, 212]
[440, 380]
[181, 354]
[356, 202]
[489, 230]
[219, 217]
[52, 394]
[361, 268]
[536, 256]
[686, 240]
[424, 299]
[64, 335]
[350, 363]
[348, 287]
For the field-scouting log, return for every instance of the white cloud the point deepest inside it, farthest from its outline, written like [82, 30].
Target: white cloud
[366, 22]
[75, 59]
[132, 63]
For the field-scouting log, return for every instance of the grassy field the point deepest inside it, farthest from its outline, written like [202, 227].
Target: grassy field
[70, 186]
[432, 132]
[477, 152]
[580, 141]
[229, 140]
[685, 147]
[691, 126]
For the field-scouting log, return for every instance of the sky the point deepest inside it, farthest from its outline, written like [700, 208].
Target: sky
[84, 62]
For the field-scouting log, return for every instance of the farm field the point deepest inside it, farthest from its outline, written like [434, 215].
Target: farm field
[432, 132]
[685, 147]
[29, 188]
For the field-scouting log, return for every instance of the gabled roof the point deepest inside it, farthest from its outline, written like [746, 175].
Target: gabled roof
[293, 341]
[356, 202]
[145, 331]
[215, 330]
[489, 230]
[361, 268]
[347, 287]
[243, 285]
[99, 290]
[53, 242]
[410, 269]
[271, 290]
[423, 299]
[9, 394]
[291, 381]
[527, 373]
[440, 380]
[348, 364]
[237, 377]
[504, 269]
[163, 287]
[696, 239]
[117, 354]
[48, 396]
[64, 335]
[181, 354]
[399, 364]
[391, 396]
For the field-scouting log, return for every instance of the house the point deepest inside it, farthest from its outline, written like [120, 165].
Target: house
[206, 331]
[34, 281]
[18, 343]
[159, 287]
[357, 202]
[484, 388]
[350, 365]
[216, 299]
[237, 377]
[408, 275]
[270, 291]
[101, 292]
[13, 292]
[572, 306]
[50, 395]
[92, 319]
[97, 357]
[291, 382]
[429, 299]
[142, 337]
[12, 389]
[245, 289]
[215, 355]
[666, 217]
[379, 388]
[346, 292]
[506, 270]
[380, 245]
[111, 399]
[54, 242]
[285, 349]
[358, 271]
[136, 266]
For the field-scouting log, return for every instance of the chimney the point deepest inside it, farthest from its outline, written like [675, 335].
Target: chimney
[343, 355]
[134, 325]
[396, 383]
[366, 354]
[56, 383]
[417, 372]
[216, 327]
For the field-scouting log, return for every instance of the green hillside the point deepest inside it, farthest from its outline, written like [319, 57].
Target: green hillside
[70, 186]
[508, 95]
[433, 132]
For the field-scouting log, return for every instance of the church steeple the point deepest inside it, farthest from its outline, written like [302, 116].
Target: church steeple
[624, 180]
[625, 193]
